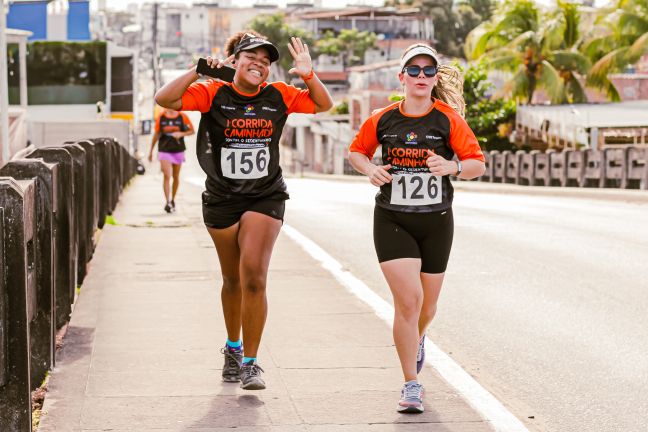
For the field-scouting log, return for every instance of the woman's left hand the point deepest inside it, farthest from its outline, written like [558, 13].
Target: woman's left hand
[299, 52]
[440, 166]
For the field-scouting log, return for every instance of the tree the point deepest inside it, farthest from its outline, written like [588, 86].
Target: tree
[278, 32]
[352, 44]
[539, 50]
[619, 39]
[452, 22]
[490, 118]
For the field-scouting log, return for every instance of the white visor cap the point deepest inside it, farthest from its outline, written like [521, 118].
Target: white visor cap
[420, 50]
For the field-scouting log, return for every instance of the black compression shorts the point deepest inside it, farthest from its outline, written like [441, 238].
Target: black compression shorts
[222, 213]
[427, 236]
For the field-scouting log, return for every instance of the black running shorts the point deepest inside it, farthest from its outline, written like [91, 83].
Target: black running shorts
[427, 236]
[222, 213]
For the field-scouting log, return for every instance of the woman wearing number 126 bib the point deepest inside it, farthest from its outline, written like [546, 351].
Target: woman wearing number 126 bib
[413, 224]
[243, 205]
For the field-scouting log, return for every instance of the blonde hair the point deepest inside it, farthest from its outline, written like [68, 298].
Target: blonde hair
[449, 86]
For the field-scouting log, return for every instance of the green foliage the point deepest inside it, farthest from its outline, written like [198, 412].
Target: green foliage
[619, 39]
[539, 49]
[341, 108]
[351, 43]
[66, 63]
[452, 21]
[279, 33]
[490, 118]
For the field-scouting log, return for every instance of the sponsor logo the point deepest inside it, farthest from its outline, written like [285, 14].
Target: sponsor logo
[389, 136]
[269, 109]
[433, 137]
[410, 138]
[225, 107]
[249, 110]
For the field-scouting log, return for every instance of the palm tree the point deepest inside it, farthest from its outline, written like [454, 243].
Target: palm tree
[539, 50]
[619, 39]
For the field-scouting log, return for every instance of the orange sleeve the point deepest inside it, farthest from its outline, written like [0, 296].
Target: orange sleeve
[366, 141]
[186, 121]
[198, 96]
[157, 123]
[297, 100]
[462, 139]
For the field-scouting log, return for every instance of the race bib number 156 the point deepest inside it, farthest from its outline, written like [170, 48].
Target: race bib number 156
[250, 163]
[416, 189]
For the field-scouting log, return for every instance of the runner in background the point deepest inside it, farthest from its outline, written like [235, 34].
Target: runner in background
[170, 129]
[424, 141]
[244, 201]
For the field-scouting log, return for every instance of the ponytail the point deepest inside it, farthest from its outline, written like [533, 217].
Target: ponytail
[449, 88]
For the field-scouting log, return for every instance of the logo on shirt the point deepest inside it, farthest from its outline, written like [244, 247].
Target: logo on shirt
[269, 109]
[410, 138]
[225, 107]
[389, 136]
[249, 110]
[433, 137]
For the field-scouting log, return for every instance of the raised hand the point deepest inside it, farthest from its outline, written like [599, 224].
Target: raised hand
[303, 61]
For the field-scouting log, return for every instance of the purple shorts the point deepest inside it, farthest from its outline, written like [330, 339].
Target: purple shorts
[174, 158]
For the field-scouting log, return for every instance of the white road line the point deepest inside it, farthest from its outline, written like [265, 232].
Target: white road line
[478, 397]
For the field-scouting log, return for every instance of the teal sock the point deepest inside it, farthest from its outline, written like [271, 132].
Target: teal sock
[236, 344]
[248, 359]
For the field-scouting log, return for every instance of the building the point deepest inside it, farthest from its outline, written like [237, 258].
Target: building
[51, 19]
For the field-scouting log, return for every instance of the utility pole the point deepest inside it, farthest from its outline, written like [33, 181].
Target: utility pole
[4, 86]
[156, 59]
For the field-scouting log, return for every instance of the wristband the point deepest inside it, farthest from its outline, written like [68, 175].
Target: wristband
[459, 168]
[308, 76]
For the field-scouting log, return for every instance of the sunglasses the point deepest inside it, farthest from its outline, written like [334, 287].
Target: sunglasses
[415, 70]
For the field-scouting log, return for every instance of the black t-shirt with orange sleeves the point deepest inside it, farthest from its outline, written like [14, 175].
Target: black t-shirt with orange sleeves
[166, 124]
[238, 136]
[406, 142]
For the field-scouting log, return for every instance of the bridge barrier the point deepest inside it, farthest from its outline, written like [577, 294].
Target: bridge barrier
[613, 167]
[50, 206]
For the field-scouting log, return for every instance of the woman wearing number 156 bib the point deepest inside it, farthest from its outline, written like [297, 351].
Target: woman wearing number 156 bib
[243, 205]
[413, 225]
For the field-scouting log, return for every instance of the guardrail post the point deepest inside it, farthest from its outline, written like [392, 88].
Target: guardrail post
[17, 198]
[42, 327]
[65, 245]
[637, 167]
[594, 168]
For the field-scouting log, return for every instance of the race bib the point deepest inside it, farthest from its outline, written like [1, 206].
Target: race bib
[245, 163]
[416, 189]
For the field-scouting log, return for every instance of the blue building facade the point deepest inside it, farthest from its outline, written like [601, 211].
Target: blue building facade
[78, 20]
[32, 16]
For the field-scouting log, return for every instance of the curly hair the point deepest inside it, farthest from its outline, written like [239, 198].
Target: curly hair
[449, 87]
[233, 40]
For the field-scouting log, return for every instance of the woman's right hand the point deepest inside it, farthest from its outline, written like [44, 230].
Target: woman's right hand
[379, 175]
[217, 63]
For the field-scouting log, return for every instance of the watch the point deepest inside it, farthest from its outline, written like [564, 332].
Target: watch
[459, 168]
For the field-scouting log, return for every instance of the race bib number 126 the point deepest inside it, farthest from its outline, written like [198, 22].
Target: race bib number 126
[416, 189]
[248, 163]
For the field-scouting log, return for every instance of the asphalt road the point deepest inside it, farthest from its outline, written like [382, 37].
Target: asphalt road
[544, 303]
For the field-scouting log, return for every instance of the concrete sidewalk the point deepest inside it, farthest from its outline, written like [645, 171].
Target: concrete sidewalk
[142, 352]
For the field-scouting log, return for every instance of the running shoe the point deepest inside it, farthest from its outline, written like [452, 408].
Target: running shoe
[251, 376]
[173, 205]
[420, 356]
[411, 400]
[167, 208]
[232, 366]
